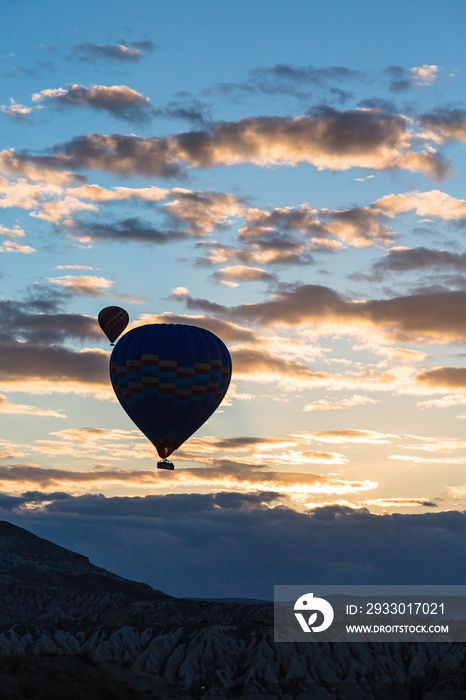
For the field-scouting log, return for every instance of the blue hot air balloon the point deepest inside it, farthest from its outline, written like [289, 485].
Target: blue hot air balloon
[169, 378]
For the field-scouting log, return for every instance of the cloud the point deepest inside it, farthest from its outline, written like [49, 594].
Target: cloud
[119, 52]
[446, 123]
[444, 378]
[260, 365]
[131, 229]
[59, 211]
[291, 80]
[403, 259]
[15, 247]
[247, 444]
[242, 273]
[282, 235]
[267, 543]
[306, 74]
[342, 404]
[280, 250]
[38, 320]
[296, 362]
[188, 212]
[228, 331]
[17, 111]
[424, 75]
[96, 193]
[201, 213]
[428, 460]
[457, 492]
[359, 226]
[15, 232]
[54, 202]
[435, 444]
[118, 100]
[402, 79]
[371, 437]
[88, 285]
[24, 409]
[226, 474]
[422, 317]
[192, 110]
[401, 503]
[144, 45]
[37, 369]
[41, 169]
[457, 399]
[425, 204]
[328, 140]
[225, 461]
[51, 199]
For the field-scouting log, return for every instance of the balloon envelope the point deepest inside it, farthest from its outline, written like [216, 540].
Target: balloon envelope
[169, 378]
[113, 321]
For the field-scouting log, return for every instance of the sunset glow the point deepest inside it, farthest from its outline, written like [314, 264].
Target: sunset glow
[301, 199]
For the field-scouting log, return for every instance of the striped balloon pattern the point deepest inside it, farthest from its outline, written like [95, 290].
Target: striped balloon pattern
[113, 321]
[169, 378]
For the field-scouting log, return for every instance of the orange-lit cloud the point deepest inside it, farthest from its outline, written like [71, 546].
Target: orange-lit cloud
[435, 444]
[371, 437]
[203, 212]
[422, 317]
[39, 369]
[118, 100]
[96, 193]
[232, 275]
[446, 401]
[359, 227]
[292, 484]
[275, 356]
[15, 247]
[443, 378]
[108, 446]
[457, 492]
[88, 285]
[330, 139]
[446, 123]
[265, 251]
[15, 232]
[60, 210]
[258, 364]
[73, 267]
[42, 170]
[401, 503]
[17, 111]
[424, 75]
[25, 409]
[425, 204]
[416, 459]
[342, 404]
[9, 450]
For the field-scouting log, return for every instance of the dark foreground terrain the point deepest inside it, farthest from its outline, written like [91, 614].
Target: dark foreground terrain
[70, 630]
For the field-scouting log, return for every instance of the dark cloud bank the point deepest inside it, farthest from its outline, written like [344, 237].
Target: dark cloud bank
[232, 544]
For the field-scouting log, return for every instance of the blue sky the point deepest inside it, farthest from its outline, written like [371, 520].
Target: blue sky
[291, 178]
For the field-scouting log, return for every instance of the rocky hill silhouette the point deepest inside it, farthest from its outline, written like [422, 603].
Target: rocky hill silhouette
[69, 629]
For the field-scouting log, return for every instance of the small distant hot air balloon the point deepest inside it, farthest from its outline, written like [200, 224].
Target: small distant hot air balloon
[169, 378]
[113, 321]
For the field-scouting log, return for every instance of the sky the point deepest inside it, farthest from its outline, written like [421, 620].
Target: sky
[291, 178]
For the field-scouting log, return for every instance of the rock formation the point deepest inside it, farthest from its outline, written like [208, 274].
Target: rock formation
[59, 612]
